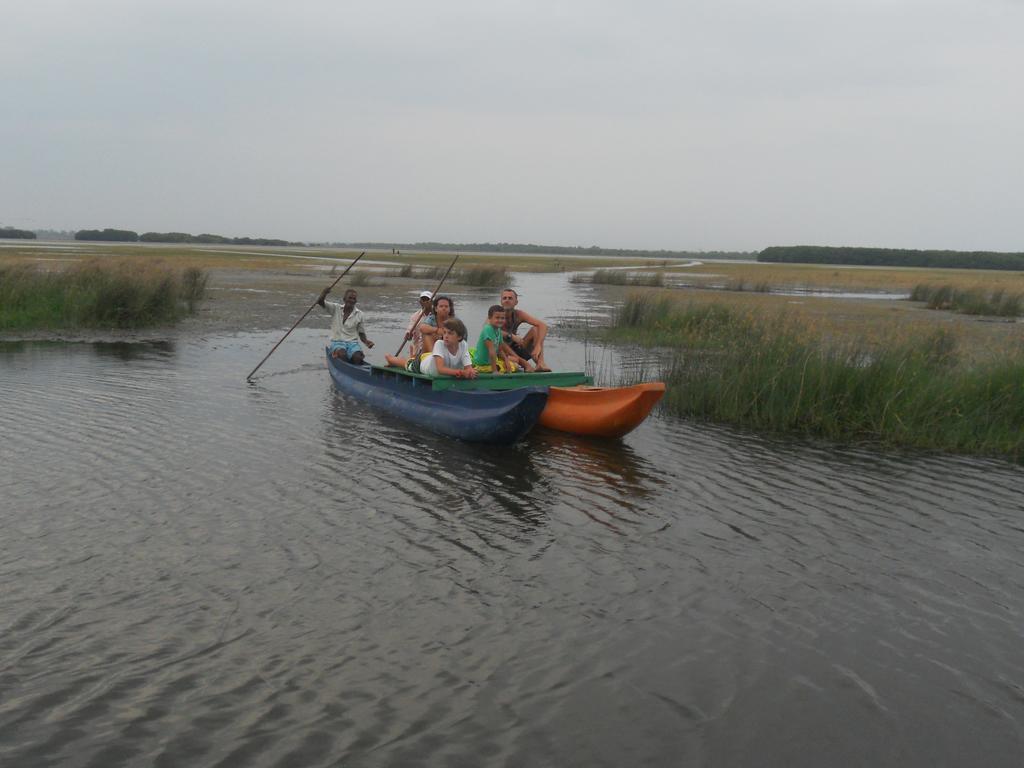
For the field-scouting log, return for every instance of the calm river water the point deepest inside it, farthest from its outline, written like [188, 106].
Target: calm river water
[201, 572]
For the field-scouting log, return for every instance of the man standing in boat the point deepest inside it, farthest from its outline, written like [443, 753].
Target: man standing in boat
[530, 346]
[346, 326]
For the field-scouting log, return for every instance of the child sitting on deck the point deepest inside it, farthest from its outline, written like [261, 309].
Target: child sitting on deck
[491, 354]
[450, 356]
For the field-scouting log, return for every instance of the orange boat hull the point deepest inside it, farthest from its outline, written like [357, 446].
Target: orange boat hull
[600, 411]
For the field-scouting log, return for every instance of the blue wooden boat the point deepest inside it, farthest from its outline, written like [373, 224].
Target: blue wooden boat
[474, 416]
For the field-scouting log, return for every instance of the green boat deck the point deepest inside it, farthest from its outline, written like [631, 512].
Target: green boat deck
[488, 381]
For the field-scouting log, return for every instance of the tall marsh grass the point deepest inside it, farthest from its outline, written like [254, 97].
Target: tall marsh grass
[420, 273]
[479, 276]
[98, 294]
[970, 301]
[770, 373]
[742, 284]
[482, 277]
[622, 277]
[658, 321]
[360, 278]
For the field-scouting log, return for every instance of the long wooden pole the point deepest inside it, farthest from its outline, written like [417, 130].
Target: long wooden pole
[249, 377]
[443, 278]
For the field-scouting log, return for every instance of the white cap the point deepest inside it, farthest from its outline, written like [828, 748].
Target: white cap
[426, 295]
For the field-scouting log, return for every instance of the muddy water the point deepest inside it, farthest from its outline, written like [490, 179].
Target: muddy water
[201, 572]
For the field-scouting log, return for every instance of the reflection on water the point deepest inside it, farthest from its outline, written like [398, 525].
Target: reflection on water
[119, 350]
[432, 473]
[127, 352]
[201, 571]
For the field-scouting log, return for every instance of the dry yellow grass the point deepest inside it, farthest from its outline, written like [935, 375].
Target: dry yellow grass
[268, 257]
[880, 322]
[201, 256]
[853, 279]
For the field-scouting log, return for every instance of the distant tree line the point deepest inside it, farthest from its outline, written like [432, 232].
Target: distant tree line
[574, 250]
[16, 234]
[184, 237]
[55, 234]
[892, 257]
[124, 235]
[108, 235]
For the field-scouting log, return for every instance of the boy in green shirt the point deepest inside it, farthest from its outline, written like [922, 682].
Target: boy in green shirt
[491, 353]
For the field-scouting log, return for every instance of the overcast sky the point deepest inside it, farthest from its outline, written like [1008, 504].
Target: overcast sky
[685, 124]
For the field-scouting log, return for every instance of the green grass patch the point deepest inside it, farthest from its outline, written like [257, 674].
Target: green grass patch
[97, 294]
[772, 373]
[970, 301]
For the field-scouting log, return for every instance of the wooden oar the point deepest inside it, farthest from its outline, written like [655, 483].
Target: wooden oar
[420, 315]
[249, 377]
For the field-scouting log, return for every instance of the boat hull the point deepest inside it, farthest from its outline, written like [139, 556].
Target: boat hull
[600, 411]
[573, 405]
[474, 416]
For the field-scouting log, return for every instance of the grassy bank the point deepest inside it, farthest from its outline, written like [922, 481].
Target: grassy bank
[970, 301]
[771, 276]
[97, 294]
[775, 373]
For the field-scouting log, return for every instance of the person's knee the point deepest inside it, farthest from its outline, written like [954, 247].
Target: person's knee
[357, 357]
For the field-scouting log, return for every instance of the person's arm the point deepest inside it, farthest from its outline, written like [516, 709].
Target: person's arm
[505, 359]
[430, 339]
[362, 335]
[540, 325]
[492, 355]
[444, 370]
[413, 325]
[509, 355]
[322, 298]
[468, 370]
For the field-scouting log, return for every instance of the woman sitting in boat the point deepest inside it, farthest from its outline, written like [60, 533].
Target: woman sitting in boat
[430, 331]
[432, 326]
[450, 356]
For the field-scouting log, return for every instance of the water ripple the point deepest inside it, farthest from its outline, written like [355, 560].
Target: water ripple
[201, 571]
